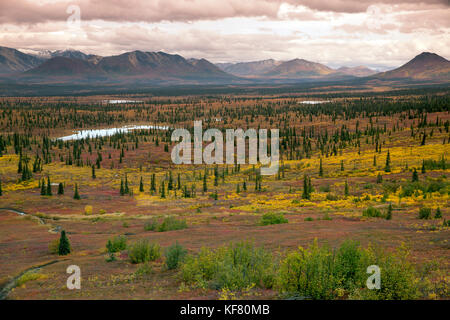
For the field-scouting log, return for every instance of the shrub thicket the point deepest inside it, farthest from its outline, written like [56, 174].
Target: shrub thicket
[144, 251]
[174, 254]
[273, 218]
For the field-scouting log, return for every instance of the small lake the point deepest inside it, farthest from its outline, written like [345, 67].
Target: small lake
[122, 101]
[314, 102]
[92, 133]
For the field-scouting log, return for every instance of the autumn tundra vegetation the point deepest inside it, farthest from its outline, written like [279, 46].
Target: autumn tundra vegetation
[362, 181]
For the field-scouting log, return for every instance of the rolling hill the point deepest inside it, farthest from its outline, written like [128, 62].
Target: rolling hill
[426, 65]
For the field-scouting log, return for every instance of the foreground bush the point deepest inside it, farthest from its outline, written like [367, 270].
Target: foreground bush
[144, 251]
[233, 267]
[116, 244]
[174, 254]
[273, 218]
[323, 273]
[168, 224]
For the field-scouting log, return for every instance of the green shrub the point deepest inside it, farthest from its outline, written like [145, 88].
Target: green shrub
[309, 219]
[438, 214]
[308, 273]
[116, 244]
[174, 254]
[168, 224]
[233, 267]
[323, 273]
[424, 213]
[143, 251]
[372, 212]
[272, 218]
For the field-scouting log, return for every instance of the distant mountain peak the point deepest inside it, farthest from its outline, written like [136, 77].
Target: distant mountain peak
[426, 65]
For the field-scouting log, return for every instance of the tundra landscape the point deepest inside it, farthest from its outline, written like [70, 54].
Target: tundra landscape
[303, 154]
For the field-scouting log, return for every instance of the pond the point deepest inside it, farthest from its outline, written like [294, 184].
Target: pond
[314, 102]
[92, 133]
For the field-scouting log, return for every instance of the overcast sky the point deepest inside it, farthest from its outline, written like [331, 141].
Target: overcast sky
[383, 33]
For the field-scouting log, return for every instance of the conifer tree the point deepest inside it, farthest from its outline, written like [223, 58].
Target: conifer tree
[122, 188]
[76, 195]
[49, 187]
[43, 188]
[205, 186]
[93, 172]
[126, 188]
[415, 176]
[387, 168]
[163, 190]
[141, 186]
[64, 244]
[60, 188]
[389, 212]
[306, 188]
[1, 191]
[153, 183]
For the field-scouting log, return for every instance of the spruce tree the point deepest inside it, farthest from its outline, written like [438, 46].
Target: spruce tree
[76, 195]
[387, 168]
[346, 192]
[306, 188]
[415, 176]
[60, 188]
[43, 189]
[153, 184]
[423, 166]
[126, 188]
[205, 186]
[389, 212]
[122, 189]
[64, 244]
[49, 187]
[93, 172]
[1, 191]
[163, 190]
[141, 186]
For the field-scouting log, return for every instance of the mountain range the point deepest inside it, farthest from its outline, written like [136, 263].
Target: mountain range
[138, 66]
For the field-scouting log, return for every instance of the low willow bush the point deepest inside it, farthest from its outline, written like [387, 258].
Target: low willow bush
[116, 244]
[174, 254]
[232, 267]
[320, 272]
[168, 224]
[144, 251]
[272, 218]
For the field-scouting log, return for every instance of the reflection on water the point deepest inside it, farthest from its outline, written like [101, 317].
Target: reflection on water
[122, 101]
[83, 134]
[314, 102]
